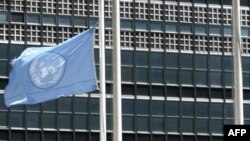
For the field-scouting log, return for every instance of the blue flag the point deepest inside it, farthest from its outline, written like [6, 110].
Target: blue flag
[46, 73]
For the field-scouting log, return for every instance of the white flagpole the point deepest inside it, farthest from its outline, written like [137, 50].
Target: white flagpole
[103, 135]
[238, 88]
[117, 101]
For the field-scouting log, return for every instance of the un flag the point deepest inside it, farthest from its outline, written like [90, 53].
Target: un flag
[46, 73]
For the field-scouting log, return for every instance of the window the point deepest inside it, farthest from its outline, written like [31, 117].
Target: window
[171, 60]
[186, 61]
[201, 62]
[127, 57]
[157, 75]
[3, 51]
[186, 77]
[185, 28]
[156, 59]
[216, 78]
[17, 17]
[3, 70]
[142, 107]
[3, 16]
[244, 31]
[83, 119]
[172, 108]
[157, 107]
[93, 21]
[215, 30]
[227, 31]
[141, 58]
[128, 106]
[142, 75]
[228, 63]
[216, 110]
[64, 20]
[141, 25]
[172, 76]
[80, 21]
[126, 24]
[187, 108]
[246, 63]
[127, 74]
[171, 27]
[202, 109]
[157, 124]
[172, 124]
[33, 18]
[201, 77]
[156, 26]
[128, 123]
[200, 29]
[215, 62]
[142, 124]
[49, 19]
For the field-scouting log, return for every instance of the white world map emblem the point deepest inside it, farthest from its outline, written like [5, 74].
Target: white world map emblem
[46, 70]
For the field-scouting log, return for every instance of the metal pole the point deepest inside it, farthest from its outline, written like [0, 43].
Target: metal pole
[102, 72]
[117, 107]
[238, 88]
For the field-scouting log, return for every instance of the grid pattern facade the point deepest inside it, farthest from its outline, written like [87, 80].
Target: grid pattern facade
[176, 68]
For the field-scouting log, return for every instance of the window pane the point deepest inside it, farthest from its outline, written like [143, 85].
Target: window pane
[128, 123]
[202, 92]
[49, 19]
[227, 30]
[81, 104]
[202, 125]
[64, 20]
[3, 70]
[216, 126]
[228, 63]
[142, 74]
[156, 26]
[156, 59]
[202, 109]
[172, 124]
[83, 120]
[127, 74]
[187, 92]
[127, 89]
[172, 108]
[126, 24]
[65, 121]
[141, 25]
[170, 27]
[228, 78]
[173, 91]
[158, 124]
[17, 136]
[201, 62]
[157, 90]
[50, 136]
[172, 77]
[187, 125]
[229, 110]
[186, 61]
[95, 122]
[94, 104]
[17, 119]
[246, 111]
[33, 18]
[127, 57]
[186, 77]
[187, 109]
[65, 104]
[200, 29]
[157, 75]
[127, 106]
[3, 51]
[80, 21]
[3, 16]
[244, 31]
[142, 107]
[171, 60]
[216, 78]
[3, 117]
[33, 120]
[214, 30]
[216, 110]
[201, 77]
[17, 17]
[185, 28]
[142, 90]
[246, 63]
[246, 79]
[34, 136]
[141, 58]
[215, 62]
[49, 121]
[216, 93]
[93, 21]
[142, 123]
[157, 107]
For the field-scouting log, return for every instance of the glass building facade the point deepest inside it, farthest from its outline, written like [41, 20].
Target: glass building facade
[176, 69]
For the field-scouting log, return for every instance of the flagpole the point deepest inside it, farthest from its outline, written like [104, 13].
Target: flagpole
[117, 107]
[238, 88]
[102, 72]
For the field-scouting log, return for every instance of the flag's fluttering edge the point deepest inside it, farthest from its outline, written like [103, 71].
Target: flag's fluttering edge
[45, 73]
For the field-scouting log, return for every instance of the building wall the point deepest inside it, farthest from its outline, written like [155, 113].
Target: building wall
[176, 69]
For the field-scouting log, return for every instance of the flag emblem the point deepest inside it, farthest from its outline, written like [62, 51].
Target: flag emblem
[46, 70]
